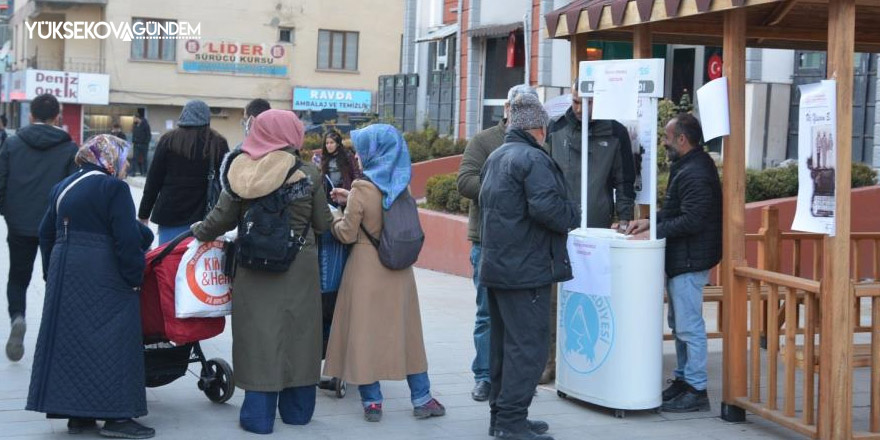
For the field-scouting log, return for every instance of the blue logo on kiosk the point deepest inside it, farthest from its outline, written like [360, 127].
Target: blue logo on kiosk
[589, 330]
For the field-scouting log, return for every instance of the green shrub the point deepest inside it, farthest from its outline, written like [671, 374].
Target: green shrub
[427, 144]
[772, 183]
[863, 175]
[313, 141]
[443, 195]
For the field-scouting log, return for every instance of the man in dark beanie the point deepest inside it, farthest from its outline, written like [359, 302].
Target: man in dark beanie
[526, 216]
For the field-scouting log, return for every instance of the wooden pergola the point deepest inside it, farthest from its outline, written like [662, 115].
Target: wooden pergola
[840, 27]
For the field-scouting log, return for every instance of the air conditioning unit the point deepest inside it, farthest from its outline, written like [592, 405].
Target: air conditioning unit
[442, 54]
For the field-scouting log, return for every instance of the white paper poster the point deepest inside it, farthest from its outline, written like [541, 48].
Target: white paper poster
[591, 266]
[714, 110]
[616, 92]
[643, 140]
[817, 152]
[169, 124]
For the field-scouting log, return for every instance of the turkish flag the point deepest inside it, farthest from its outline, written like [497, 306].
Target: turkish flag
[516, 51]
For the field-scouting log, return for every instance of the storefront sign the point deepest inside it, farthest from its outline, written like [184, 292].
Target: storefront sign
[344, 101]
[233, 58]
[650, 75]
[817, 158]
[68, 87]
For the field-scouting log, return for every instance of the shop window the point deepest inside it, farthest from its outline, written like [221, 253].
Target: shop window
[338, 50]
[154, 49]
[285, 35]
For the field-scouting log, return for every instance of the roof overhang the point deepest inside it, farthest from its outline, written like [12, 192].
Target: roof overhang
[438, 34]
[494, 30]
[788, 24]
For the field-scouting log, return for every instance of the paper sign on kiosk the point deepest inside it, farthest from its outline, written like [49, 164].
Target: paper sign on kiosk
[590, 265]
[617, 92]
[714, 111]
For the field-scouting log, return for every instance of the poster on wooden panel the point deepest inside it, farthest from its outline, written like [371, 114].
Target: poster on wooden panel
[817, 153]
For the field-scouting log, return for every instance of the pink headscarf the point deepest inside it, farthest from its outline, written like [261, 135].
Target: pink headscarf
[273, 130]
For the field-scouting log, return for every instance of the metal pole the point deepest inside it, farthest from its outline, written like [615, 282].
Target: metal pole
[654, 103]
[585, 153]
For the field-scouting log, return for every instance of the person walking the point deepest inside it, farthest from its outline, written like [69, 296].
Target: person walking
[526, 217]
[276, 317]
[3, 134]
[610, 189]
[690, 221]
[140, 137]
[377, 331]
[176, 191]
[89, 360]
[475, 154]
[117, 131]
[31, 162]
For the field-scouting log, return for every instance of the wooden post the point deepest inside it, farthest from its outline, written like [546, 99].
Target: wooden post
[735, 291]
[642, 48]
[578, 54]
[835, 379]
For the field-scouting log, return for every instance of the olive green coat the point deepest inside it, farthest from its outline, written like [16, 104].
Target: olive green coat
[276, 317]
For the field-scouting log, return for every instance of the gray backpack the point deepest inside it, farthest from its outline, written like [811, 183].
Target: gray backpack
[402, 236]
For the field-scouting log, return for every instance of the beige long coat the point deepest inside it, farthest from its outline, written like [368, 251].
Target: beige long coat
[377, 326]
[276, 317]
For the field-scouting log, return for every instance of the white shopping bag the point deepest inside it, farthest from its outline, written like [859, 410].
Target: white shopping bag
[201, 290]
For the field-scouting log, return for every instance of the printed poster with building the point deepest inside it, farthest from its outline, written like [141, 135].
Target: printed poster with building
[233, 58]
[817, 164]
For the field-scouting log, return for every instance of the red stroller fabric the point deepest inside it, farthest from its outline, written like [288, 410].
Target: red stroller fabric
[157, 301]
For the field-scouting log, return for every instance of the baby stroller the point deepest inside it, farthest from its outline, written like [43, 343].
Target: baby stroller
[172, 344]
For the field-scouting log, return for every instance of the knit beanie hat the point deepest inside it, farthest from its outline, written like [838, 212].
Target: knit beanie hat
[527, 113]
[195, 114]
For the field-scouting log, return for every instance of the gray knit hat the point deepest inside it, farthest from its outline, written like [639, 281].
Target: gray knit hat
[195, 114]
[526, 113]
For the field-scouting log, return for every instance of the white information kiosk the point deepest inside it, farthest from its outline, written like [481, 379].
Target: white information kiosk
[609, 345]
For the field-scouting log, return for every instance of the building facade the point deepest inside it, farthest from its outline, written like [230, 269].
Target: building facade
[298, 54]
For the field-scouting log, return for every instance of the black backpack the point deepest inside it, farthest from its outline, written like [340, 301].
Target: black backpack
[266, 241]
[402, 237]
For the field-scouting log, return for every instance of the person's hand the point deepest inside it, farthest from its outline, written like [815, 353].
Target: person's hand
[340, 195]
[644, 235]
[145, 221]
[638, 226]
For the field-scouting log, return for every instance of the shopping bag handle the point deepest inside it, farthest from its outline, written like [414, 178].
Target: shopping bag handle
[170, 246]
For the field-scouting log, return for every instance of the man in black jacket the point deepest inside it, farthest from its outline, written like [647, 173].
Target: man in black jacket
[526, 217]
[31, 162]
[690, 221]
[140, 138]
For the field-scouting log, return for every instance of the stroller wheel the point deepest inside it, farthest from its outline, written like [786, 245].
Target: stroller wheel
[340, 388]
[218, 381]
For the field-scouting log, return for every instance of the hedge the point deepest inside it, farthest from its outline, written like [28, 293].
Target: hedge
[427, 144]
[772, 183]
[443, 195]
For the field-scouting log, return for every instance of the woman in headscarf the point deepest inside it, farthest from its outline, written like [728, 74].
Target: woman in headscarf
[377, 327]
[176, 191]
[89, 361]
[276, 317]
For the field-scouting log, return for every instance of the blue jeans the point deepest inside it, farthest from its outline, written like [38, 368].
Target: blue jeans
[419, 390]
[480, 366]
[296, 405]
[168, 233]
[686, 321]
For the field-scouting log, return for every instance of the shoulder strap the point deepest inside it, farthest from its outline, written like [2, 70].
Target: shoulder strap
[72, 184]
[373, 240]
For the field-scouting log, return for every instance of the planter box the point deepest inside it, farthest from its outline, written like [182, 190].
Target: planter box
[422, 171]
[446, 248]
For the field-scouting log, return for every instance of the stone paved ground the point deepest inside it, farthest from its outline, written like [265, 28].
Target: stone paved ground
[181, 411]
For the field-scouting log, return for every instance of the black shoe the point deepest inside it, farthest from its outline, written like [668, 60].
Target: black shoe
[480, 393]
[676, 387]
[690, 400]
[522, 435]
[126, 429]
[76, 425]
[536, 426]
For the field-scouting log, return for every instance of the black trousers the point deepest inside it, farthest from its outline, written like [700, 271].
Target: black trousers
[519, 331]
[22, 252]
[140, 159]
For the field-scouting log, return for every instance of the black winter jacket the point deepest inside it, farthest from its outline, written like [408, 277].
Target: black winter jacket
[32, 161]
[526, 216]
[690, 220]
[141, 134]
[176, 190]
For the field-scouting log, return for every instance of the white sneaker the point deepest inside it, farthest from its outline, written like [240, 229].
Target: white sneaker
[15, 344]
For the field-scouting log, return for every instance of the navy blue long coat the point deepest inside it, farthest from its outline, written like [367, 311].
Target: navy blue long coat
[89, 358]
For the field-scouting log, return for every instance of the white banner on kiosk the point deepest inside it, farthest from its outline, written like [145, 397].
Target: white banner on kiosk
[817, 163]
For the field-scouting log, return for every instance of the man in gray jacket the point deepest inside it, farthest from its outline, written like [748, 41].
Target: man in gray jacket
[475, 154]
[611, 175]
